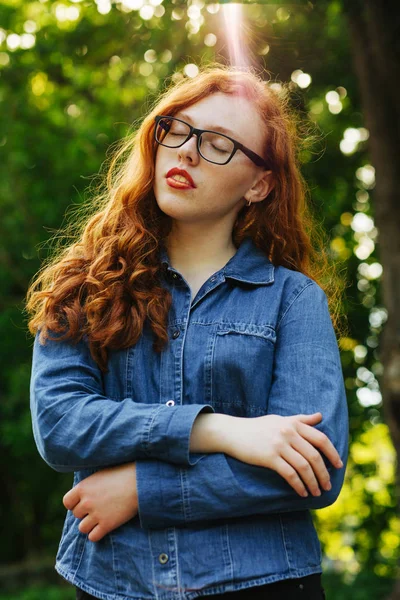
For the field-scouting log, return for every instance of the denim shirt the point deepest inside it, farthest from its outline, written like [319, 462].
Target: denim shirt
[257, 339]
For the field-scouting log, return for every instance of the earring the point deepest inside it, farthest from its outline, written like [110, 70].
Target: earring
[248, 202]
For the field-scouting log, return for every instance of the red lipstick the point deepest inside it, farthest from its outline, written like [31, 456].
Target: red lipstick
[179, 184]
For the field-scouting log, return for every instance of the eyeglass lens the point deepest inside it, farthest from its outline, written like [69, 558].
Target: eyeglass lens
[214, 147]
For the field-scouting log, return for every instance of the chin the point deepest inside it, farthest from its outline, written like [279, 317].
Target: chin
[179, 212]
[170, 207]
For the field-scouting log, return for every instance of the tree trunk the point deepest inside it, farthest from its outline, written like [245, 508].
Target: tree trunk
[375, 37]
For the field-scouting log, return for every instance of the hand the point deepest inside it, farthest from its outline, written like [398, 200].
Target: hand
[104, 500]
[286, 445]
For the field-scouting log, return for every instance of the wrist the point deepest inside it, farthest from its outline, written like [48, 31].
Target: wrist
[212, 432]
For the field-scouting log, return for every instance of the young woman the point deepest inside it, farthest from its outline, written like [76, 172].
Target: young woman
[185, 365]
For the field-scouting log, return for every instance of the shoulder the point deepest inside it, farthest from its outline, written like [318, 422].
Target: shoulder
[297, 291]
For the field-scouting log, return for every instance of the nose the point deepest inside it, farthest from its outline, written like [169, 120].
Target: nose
[190, 148]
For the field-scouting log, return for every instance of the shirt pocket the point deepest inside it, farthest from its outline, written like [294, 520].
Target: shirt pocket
[241, 368]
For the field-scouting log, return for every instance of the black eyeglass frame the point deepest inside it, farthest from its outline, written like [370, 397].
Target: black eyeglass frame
[260, 162]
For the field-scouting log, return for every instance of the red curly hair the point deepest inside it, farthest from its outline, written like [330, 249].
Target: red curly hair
[106, 283]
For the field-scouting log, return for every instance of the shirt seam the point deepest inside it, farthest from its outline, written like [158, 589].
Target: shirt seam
[291, 304]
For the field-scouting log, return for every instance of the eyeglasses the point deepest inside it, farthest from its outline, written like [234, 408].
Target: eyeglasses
[212, 146]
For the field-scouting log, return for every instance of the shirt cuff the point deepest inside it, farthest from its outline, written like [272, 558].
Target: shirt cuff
[167, 436]
[159, 505]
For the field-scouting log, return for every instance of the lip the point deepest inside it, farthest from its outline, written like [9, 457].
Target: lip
[176, 171]
[179, 185]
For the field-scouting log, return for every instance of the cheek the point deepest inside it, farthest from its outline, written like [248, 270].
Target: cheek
[233, 184]
[160, 161]
[158, 175]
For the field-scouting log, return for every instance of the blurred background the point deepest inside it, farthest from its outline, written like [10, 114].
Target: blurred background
[75, 75]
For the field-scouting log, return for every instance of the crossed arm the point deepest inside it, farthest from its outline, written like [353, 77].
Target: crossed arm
[253, 467]
[109, 498]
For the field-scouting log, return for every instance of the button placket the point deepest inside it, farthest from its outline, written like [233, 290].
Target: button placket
[164, 553]
[213, 282]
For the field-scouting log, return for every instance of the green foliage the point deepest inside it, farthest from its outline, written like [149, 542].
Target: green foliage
[77, 81]
[40, 593]
[364, 587]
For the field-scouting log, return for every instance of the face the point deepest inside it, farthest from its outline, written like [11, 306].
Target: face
[221, 190]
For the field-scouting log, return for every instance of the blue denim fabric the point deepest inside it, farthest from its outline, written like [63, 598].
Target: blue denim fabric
[256, 339]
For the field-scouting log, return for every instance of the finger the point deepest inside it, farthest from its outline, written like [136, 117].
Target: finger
[87, 524]
[291, 476]
[81, 510]
[96, 534]
[307, 418]
[314, 459]
[71, 498]
[321, 441]
[302, 467]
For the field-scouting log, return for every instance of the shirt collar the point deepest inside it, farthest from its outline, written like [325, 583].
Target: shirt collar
[249, 264]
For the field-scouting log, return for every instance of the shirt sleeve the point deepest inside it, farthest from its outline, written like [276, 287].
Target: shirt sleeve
[76, 426]
[307, 378]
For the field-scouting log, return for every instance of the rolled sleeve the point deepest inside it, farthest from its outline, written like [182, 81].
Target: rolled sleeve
[76, 426]
[169, 435]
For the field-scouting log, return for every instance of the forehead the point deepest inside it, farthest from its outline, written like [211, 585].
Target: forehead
[214, 126]
[232, 115]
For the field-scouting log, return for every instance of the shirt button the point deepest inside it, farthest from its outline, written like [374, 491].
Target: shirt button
[163, 558]
[175, 275]
[213, 278]
[170, 403]
[176, 334]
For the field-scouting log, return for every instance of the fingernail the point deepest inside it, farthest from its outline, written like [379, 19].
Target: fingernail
[328, 486]
[340, 464]
[305, 494]
[317, 493]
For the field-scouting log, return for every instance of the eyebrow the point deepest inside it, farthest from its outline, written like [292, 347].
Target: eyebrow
[212, 127]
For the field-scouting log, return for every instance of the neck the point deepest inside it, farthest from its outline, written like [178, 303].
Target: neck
[193, 248]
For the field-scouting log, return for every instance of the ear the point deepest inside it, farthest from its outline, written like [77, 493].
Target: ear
[263, 186]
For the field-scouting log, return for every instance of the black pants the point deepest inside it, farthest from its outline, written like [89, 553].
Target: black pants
[304, 588]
